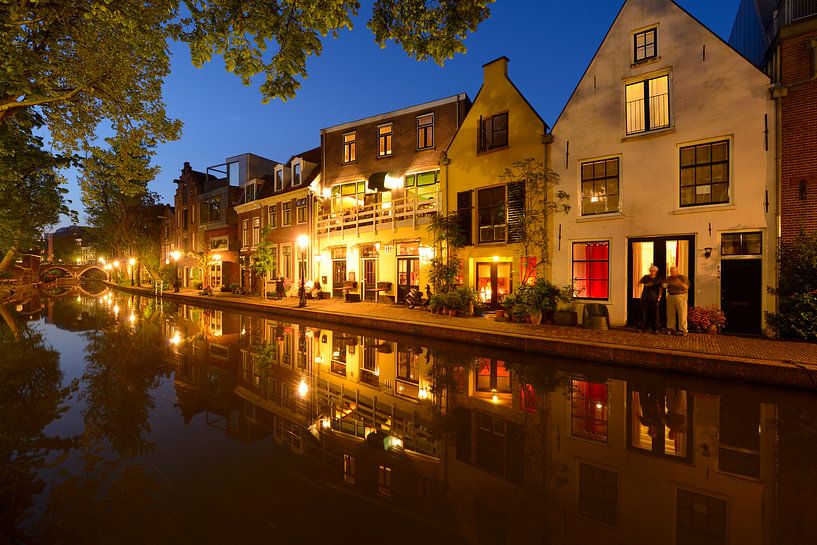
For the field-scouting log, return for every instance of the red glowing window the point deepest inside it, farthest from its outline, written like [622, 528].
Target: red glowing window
[591, 269]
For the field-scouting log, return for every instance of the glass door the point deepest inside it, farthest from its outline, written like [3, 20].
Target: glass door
[664, 253]
[493, 283]
[408, 276]
[369, 279]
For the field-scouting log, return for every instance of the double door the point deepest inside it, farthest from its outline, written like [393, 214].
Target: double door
[493, 283]
[663, 252]
[408, 276]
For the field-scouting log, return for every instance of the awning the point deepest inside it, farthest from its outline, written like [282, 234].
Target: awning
[377, 181]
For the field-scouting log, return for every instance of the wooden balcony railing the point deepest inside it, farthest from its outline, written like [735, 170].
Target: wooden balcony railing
[405, 212]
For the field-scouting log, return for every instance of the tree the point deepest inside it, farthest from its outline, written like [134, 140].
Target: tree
[84, 61]
[265, 260]
[448, 238]
[533, 199]
[796, 289]
[32, 193]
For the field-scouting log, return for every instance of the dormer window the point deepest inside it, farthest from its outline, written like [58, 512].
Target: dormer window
[296, 173]
[645, 45]
[384, 138]
[279, 179]
[250, 192]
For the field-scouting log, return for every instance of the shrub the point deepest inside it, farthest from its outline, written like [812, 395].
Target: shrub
[541, 295]
[796, 289]
[704, 318]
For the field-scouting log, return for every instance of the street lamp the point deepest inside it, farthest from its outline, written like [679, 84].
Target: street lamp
[303, 242]
[131, 262]
[175, 255]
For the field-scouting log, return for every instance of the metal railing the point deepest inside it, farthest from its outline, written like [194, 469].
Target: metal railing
[790, 11]
[403, 212]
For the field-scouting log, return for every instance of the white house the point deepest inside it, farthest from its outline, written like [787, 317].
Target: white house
[667, 150]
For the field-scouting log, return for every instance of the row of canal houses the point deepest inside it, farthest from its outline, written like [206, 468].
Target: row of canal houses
[669, 148]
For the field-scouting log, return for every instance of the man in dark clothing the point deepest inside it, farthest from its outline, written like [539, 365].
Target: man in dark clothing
[650, 299]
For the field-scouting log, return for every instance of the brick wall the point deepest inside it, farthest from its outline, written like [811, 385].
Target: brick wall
[798, 139]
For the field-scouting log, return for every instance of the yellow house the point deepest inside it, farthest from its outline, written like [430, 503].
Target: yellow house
[500, 129]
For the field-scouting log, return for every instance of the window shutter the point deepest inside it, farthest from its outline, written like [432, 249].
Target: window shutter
[516, 211]
[480, 135]
[463, 434]
[464, 216]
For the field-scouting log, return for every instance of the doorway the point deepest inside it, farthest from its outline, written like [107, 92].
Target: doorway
[408, 276]
[369, 279]
[741, 295]
[493, 283]
[663, 252]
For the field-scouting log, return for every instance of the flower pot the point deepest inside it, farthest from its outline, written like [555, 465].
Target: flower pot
[566, 317]
[500, 313]
[535, 317]
[713, 330]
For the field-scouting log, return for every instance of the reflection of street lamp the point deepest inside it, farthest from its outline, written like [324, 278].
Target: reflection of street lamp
[175, 255]
[303, 242]
[131, 262]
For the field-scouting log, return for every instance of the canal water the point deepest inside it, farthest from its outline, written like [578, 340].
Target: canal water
[124, 419]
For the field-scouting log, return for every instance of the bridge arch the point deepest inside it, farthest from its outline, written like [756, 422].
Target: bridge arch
[87, 268]
[64, 268]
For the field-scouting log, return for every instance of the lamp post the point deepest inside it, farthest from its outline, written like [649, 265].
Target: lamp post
[175, 255]
[303, 243]
[131, 263]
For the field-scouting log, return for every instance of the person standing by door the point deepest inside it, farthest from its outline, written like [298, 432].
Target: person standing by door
[650, 299]
[677, 297]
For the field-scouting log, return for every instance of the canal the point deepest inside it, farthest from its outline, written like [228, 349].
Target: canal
[124, 419]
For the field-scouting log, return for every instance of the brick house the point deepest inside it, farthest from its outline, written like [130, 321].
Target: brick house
[380, 186]
[781, 38]
[281, 202]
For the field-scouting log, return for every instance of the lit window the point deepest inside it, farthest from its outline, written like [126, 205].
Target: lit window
[300, 210]
[600, 185]
[245, 224]
[492, 375]
[591, 269]
[741, 244]
[273, 216]
[384, 480]
[425, 131]
[648, 105]
[705, 174]
[645, 45]
[256, 230]
[660, 422]
[349, 147]
[588, 410]
[384, 138]
[493, 132]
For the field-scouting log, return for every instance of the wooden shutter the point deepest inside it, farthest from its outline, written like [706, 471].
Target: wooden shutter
[465, 216]
[463, 434]
[516, 211]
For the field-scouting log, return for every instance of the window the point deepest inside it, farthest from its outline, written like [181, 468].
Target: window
[645, 45]
[491, 214]
[408, 366]
[384, 137]
[422, 184]
[739, 437]
[493, 376]
[648, 105]
[349, 470]
[598, 494]
[286, 253]
[184, 219]
[300, 210]
[425, 131]
[741, 244]
[349, 147]
[347, 196]
[215, 210]
[215, 274]
[279, 178]
[705, 174]
[660, 422]
[493, 132]
[250, 192]
[245, 227]
[220, 243]
[256, 230]
[591, 269]
[600, 184]
[588, 410]
[273, 216]
[700, 519]
[287, 213]
[296, 173]
[384, 480]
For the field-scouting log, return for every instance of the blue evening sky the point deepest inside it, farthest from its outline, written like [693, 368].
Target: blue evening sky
[549, 44]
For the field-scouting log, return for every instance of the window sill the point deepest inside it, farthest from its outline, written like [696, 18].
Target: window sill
[704, 208]
[430, 148]
[492, 150]
[645, 62]
[344, 163]
[389, 156]
[600, 217]
[649, 134]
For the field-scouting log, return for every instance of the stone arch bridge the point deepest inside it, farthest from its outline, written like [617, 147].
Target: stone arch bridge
[75, 272]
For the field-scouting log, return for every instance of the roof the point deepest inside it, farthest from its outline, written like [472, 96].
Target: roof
[402, 111]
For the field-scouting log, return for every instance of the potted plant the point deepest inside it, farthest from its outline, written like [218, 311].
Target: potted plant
[540, 300]
[566, 310]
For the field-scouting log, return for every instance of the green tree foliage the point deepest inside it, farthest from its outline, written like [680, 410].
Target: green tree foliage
[32, 193]
[448, 239]
[265, 260]
[797, 289]
[543, 199]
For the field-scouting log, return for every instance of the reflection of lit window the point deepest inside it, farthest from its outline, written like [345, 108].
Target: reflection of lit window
[660, 421]
[349, 471]
[384, 480]
[589, 410]
[493, 375]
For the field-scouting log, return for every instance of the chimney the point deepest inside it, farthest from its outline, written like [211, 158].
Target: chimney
[495, 68]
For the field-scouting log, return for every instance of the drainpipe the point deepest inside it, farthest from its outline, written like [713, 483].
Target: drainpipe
[547, 140]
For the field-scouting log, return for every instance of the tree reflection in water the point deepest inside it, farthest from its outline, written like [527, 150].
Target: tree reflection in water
[32, 395]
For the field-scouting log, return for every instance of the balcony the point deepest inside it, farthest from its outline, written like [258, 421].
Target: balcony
[788, 12]
[411, 211]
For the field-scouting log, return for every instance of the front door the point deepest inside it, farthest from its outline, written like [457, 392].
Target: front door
[408, 276]
[369, 279]
[493, 283]
[741, 293]
[663, 252]
[338, 277]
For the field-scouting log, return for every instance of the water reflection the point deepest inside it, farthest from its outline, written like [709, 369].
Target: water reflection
[222, 426]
